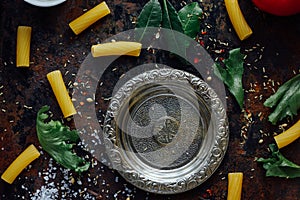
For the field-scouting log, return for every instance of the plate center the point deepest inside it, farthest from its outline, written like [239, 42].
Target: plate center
[164, 126]
[165, 129]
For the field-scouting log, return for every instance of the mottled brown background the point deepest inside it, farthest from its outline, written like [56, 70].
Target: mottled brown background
[54, 46]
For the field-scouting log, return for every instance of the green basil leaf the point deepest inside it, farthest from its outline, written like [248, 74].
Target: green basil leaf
[56, 139]
[170, 20]
[190, 19]
[278, 165]
[286, 100]
[232, 74]
[150, 16]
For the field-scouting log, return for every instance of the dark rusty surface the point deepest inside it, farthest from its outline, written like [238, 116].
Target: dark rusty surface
[54, 46]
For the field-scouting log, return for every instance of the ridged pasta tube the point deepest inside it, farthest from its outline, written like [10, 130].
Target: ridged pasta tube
[82, 22]
[117, 48]
[61, 93]
[23, 46]
[235, 182]
[288, 136]
[19, 164]
[237, 19]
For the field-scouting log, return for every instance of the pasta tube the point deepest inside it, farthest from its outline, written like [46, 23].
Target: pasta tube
[81, 23]
[288, 136]
[23, 46]
[22, 161]
[117, 48]
[237, 19]
[61, 93]
[235, 181]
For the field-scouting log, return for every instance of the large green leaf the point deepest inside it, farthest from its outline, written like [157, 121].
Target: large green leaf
[150, 16]
[232, 74]
[56, 139]
[278, 165]
[190, 19]
[286, 100]
[170, 20]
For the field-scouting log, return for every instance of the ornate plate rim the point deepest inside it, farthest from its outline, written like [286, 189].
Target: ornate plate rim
[137, 178]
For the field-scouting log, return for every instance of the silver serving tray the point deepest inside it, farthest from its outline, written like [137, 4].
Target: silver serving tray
[166, 131]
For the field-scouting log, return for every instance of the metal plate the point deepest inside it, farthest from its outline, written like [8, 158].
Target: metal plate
[45, 3]
[166, 131]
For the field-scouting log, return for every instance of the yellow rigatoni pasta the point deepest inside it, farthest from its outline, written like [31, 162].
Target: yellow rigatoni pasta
[61, 93]
[235, 182]
[117, 48]
[81, 23]
[237, 19]
[22, 161]
[288, 136]
[23, 46]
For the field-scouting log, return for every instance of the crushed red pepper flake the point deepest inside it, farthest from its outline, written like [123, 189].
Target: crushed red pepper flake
[196, 60]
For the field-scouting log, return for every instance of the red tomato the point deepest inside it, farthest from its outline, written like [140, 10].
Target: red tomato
[278, 7]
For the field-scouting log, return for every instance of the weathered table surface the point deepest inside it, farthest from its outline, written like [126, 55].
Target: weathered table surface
[273, 57]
